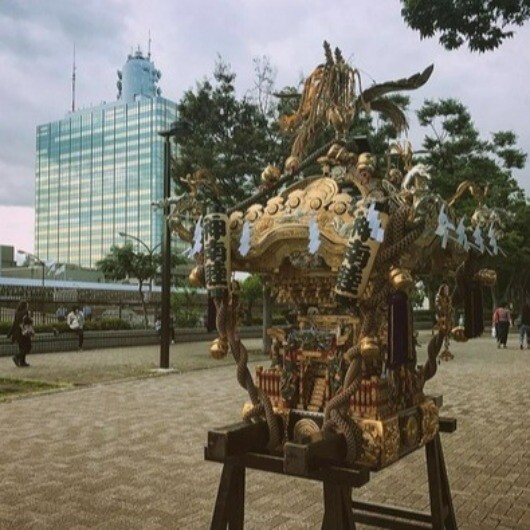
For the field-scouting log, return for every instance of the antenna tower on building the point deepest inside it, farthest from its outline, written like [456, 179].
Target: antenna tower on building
[73, 83]
[149, 46]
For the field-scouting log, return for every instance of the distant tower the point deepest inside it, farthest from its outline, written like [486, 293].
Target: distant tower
[138, 78]
[98, 170]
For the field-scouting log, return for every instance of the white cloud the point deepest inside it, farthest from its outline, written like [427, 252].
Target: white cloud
[16, 227]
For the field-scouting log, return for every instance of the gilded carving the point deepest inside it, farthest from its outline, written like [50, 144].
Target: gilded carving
[344, 262]
[429, 422]
[372, 443]
[391, 443]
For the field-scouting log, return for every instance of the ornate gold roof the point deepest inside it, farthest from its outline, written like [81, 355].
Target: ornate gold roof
[280, 229]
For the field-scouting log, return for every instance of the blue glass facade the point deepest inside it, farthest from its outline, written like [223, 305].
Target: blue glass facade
[97, 172]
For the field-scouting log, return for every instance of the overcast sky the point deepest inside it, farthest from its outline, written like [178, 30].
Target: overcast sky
[36, 48]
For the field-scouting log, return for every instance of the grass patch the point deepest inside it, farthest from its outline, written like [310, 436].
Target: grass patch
[12, 387]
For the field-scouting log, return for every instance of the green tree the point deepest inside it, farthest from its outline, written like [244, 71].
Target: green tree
[457, 153]
[251, 292]
[513, 283]
[378, 127]
[232, 138]
[483, 24]
[187, 307]
[123, 262]
[272, 105]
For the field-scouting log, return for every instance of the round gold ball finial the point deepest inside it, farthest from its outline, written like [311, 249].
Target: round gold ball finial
[486, 277]
[196, 277]
[219, 348]
[366, 162]
[292, 164]
[401, 279]
[303, 430]
[270, 175]
[459, 334]
[395, 176]
[369, 348]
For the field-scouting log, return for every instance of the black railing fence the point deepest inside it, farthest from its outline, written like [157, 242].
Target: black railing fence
[50, 306]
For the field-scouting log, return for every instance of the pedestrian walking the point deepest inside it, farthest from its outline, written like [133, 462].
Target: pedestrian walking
[524, 328]
[15, 333]
[27, 336]
[76, 322]
[502, 321]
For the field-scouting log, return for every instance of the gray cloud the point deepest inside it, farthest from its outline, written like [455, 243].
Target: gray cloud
[38, 37]
[35, 27]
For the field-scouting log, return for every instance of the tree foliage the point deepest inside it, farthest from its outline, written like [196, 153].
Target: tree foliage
[378, 128]
[123, 262]
[483, 24]
[233, 138]
[187, 307]
[458, 153]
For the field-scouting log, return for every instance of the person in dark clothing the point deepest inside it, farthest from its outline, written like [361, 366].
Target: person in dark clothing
[27, 336]
[524, 328]
[16, 334]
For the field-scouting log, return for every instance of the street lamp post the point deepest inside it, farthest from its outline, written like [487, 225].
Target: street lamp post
[150, 250]
[178, 129]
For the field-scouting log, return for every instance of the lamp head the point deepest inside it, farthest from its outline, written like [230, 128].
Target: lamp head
[178, 129]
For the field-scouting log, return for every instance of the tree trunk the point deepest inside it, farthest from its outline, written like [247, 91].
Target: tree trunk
[431, 295]
[248, 316]
[494, 301]
[267, 318]
[144, 305]
[506, 295]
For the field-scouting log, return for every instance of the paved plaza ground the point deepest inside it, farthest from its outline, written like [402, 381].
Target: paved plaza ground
[129, 454]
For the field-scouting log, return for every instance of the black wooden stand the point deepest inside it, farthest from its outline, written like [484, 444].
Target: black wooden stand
[238, 446]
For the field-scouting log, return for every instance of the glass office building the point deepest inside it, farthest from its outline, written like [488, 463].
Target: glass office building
[98, 170]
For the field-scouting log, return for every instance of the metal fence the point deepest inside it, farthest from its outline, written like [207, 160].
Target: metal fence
[49, 306]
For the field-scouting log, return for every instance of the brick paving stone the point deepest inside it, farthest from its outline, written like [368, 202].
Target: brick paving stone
[129, 454]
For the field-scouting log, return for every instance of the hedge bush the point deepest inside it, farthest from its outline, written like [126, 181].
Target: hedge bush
[189, 319]
[106, 324]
